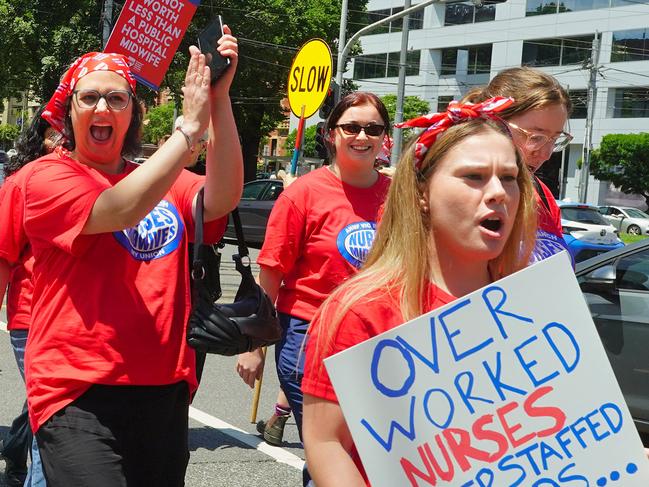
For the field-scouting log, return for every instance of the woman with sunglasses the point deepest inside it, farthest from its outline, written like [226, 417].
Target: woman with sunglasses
[109, 373]
[457, 217]
[319, 233]
[537, 122]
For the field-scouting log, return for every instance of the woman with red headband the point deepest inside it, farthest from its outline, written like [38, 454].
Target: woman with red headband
[109, 374]
[457, 217]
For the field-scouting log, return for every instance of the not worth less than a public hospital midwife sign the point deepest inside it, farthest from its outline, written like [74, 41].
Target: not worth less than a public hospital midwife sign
[148, 33]
[507, 386]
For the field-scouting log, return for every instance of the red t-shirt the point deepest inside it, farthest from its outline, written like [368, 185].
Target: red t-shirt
[372, 315]
[109, 308]
[15, 249]
[549, 235]
[319, 234]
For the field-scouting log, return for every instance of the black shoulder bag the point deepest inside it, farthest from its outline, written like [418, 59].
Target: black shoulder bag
[227, 329]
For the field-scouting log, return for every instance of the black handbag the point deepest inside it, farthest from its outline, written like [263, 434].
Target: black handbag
[227, 329]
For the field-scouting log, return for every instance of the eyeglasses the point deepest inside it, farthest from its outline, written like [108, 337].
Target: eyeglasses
[116, 99]
[536, 141]
[373, 130]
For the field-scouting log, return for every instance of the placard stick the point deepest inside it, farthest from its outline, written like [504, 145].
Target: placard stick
[257, 394]
[298, 142]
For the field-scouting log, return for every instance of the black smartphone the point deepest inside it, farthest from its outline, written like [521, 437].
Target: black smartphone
[207, 44]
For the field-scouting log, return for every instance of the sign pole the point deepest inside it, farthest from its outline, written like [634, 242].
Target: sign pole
[298, 142]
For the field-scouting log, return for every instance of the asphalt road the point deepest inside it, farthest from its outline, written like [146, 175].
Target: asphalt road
[224, 445]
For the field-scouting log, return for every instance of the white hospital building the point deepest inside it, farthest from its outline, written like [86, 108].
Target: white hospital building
[453, 47]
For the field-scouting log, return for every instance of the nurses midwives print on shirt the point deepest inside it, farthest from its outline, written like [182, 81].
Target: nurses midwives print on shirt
[158, 234]
[354, 242]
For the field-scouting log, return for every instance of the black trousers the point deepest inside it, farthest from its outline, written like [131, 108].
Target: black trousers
[118, 436]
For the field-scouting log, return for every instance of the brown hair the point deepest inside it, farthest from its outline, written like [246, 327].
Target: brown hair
[399, 260]
[532, 89]
[354, 99]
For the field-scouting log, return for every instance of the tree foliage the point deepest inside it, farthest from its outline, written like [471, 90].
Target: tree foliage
[39, 41]
[413, 106]
[8, 133]
[623, 159]
[159, 122]
[309, 142]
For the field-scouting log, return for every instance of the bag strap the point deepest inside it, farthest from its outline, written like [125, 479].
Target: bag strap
[241, 243]
[198, 270]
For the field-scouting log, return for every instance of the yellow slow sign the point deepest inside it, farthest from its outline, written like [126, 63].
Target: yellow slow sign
[309, 77]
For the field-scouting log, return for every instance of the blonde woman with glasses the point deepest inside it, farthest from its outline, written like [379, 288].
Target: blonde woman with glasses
[537, 122]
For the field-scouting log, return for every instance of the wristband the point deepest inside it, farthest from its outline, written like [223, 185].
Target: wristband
[188, 139]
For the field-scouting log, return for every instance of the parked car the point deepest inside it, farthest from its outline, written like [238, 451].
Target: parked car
[616, 288]
[586, 232]
[626, 219]
[257, 201]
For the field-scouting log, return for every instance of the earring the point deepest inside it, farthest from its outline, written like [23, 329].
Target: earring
[423, 204]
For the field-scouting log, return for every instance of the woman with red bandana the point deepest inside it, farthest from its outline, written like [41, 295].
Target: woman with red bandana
[109, 374]
[457, 217]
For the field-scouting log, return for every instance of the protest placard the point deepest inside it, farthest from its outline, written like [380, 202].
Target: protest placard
[148, 33]
[507, 386]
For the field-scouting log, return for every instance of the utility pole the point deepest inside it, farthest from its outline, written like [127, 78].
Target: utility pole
[342, 54]
[593, 66]
[342, 35]
[401, 87]
[107, 21]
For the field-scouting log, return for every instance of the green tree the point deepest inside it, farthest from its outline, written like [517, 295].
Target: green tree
[413, 106]
[623, 159]
[309, 142]
[159, 122]
[8, 133]
[39, 41]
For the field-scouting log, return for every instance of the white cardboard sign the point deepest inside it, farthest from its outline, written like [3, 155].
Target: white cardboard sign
[507, 386]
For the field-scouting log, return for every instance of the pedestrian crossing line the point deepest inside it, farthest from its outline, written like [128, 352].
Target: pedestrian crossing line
[279, 454]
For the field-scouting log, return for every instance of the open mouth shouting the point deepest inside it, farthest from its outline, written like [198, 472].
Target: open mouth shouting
[101, 132]
[493, 225]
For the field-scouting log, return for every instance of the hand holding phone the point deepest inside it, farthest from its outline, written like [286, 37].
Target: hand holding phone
[207, 40]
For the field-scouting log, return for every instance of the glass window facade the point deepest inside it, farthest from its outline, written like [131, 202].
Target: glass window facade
[443, 101]
[416, 20]
[479, 59]
[542, 7]
[631, 102]
[579, 99]
[630, 45]
[385, 65]
[468, 13]
[557, 52]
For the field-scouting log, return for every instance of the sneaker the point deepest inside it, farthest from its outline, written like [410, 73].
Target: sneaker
[273, 429]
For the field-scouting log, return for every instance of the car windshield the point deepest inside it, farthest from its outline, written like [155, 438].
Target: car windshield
[635, 213]
[583, 215]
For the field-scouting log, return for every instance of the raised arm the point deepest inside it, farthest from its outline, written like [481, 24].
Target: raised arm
[129, 201]
[224, 162]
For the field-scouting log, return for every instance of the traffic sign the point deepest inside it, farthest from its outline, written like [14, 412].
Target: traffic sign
[309, 78]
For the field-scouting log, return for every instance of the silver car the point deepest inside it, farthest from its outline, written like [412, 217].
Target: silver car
[626, 219]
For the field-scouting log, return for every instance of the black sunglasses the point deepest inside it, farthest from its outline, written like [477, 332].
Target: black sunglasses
[373, 130]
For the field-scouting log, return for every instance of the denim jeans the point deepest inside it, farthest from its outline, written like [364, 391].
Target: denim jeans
[289, 358]
[12, 443]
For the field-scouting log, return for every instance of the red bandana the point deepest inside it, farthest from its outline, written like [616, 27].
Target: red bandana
[436, 123]
[54, 111]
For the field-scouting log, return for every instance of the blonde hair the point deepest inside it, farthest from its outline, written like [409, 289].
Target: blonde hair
[399, 261]
[532, 89]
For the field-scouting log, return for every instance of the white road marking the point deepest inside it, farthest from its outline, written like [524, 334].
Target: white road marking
[279, 454]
